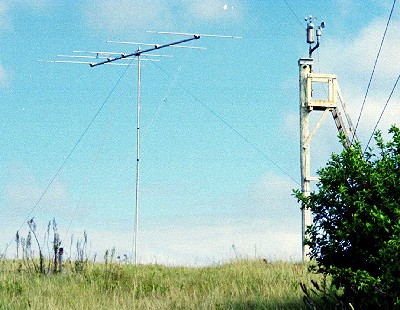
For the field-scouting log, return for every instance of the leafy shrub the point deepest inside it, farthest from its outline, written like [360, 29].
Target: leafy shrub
[355, 234]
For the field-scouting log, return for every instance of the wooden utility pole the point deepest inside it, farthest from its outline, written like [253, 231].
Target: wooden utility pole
[305, 70]
[309, 104]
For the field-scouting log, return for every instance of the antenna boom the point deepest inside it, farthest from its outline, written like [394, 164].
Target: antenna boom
[139, 52]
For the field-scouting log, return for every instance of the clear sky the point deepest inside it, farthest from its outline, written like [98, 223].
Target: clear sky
[220, 129]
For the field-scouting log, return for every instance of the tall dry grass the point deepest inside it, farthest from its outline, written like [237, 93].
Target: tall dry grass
[235, 285]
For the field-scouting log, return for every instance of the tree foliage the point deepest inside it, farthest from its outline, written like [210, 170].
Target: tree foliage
[355, 233]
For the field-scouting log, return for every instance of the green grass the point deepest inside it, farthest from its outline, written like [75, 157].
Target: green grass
[235, 285]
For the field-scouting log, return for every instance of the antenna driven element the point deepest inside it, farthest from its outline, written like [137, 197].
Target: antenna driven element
[193, 34]
[155, 44]
[311, 33]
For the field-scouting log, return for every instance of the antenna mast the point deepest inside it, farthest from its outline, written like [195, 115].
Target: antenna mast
[137, 54]
[112, 58]
[137, 163]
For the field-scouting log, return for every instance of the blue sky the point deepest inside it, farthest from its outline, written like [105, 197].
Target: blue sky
[206, 194]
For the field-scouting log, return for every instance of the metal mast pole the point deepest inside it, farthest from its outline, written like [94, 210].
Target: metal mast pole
[304, 70]
[137, 163]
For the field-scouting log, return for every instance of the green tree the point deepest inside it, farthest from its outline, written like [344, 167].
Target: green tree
[355, 232]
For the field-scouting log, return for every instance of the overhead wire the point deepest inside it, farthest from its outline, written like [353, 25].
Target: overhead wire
[294, 14]
[373, 70]
[383, 111]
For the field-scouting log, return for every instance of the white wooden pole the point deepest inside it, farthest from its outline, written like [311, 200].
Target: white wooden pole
[305, 65]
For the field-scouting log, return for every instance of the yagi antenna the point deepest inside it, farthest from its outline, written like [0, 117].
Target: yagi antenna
[112, 58]
[311, 33]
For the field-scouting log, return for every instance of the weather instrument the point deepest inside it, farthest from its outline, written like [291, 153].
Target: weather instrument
[97, 58]
[311, 32]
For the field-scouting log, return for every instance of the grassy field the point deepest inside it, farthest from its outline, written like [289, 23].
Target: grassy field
[235, 285]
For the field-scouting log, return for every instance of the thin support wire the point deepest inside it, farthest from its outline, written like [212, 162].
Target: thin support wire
[72, 151]
[226, 123]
